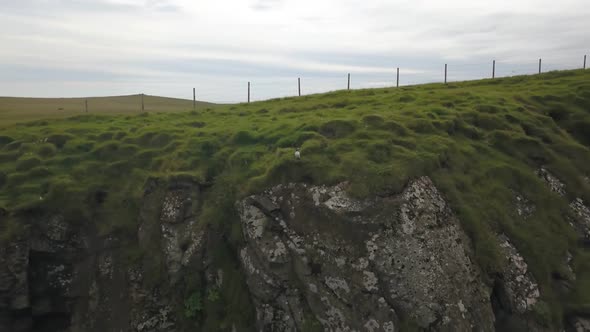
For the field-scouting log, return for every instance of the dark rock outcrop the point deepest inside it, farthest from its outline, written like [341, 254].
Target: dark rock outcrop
[63, 276]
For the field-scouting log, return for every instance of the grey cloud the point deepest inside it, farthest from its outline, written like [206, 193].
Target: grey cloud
[44, 8]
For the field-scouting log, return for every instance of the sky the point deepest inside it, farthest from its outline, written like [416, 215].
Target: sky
[77, 48]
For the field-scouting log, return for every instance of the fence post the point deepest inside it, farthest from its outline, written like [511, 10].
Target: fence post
[194, 99]
[248, 92]
[397, 81]
[348, 81]
[86, 104]
[539, 66]
[584, 62]
[299, 85]
[142, 104]
[494, 69]
[445, 73]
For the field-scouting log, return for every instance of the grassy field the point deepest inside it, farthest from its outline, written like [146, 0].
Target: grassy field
[13, 109]
[480, 141]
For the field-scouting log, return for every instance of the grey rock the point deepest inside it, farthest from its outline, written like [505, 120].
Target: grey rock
[358, 262]
[520, 286]
[579, 324]
[552, 181]
[582, 214]
[14, 263]
[175, 206]
[581, 211]
[68, 275]
[524, 207]
[174, 226]
[264, 204]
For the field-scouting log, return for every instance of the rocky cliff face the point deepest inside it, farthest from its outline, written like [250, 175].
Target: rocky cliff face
[61, 276]
[313, 258]
[316, 256]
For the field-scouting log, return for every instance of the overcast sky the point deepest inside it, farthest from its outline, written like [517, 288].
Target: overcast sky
[71, 48]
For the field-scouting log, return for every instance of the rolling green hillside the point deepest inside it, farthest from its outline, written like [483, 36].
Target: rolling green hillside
[14, 109]
[481, 142]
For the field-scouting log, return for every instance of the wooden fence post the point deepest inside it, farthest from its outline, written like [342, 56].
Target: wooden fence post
[86, 104]
[539, 66]
[348, 81]
[584, 62]
[397, 81]
[142, 104]
[445, 73]
[299, 85]
[494, 69]
[248, 92]
[194, 99]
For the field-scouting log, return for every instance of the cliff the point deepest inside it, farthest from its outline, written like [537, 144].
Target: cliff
[462, 207]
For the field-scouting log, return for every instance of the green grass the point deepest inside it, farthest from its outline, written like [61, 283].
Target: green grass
[480, 141]
[14, 109]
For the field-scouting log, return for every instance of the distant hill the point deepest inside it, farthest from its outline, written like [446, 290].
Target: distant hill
[16, 109]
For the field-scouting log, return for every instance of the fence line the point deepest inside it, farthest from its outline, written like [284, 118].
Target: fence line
[496, 67]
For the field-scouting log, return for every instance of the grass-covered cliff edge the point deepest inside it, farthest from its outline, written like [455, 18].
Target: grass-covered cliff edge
[481, 142]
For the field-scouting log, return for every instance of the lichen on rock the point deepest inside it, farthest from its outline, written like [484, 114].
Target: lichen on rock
[356, 263]
[521, 288]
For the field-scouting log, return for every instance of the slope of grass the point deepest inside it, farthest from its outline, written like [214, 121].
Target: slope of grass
[13, 109]
[480, 141]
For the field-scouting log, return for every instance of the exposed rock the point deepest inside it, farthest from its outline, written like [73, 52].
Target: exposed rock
[553, 182]
[582, 212]
[62, 276]
[579, 324]
[176, 227]
[14, 262]
[176, 207]
[313, 256]
[524, 207]
[568, 263]
[352, 264]
[519, 284]
[565, 278]
[149, 312]
[264, 204]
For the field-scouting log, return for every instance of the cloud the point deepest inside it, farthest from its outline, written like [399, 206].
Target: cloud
[265, 4]
[137, 43]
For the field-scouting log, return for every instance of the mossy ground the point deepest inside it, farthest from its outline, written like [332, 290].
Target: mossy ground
[480, 141]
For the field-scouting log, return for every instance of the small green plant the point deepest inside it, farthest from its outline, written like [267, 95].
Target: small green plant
[542, 312]
[213, 295]
[193, 305]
